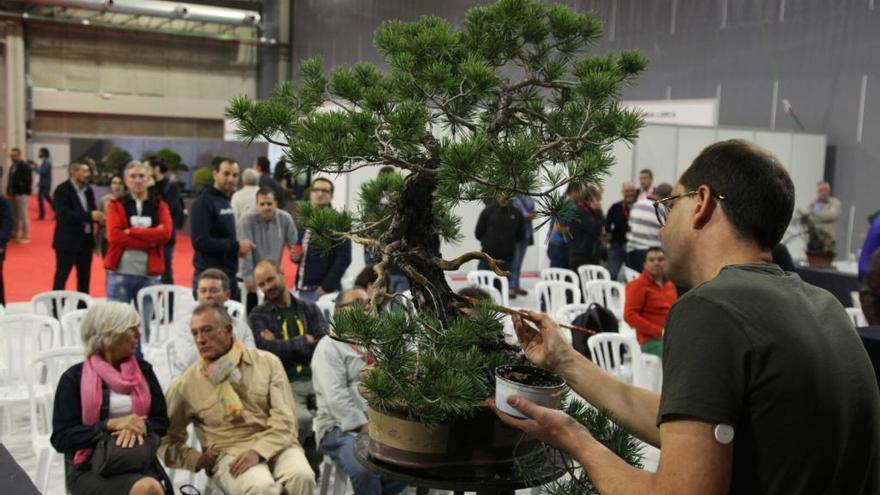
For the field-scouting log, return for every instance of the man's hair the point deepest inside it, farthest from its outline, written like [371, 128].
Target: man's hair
[269, 263]
[250, 177]
[324, 179]
[647, 171]
[266, 191]
[590, 192]
[214, 273]
[387, 169]
[15, 150]
[74, 166]
[475, 293]
[759, 194]
[263, 164]
[823, 183]
[222, 315]
[653, 249]
[574, 188]
[218, 161]
[44, 153]
[366, 277]
[133, 164]
[340, 299]
[663, 190]
[155, 161]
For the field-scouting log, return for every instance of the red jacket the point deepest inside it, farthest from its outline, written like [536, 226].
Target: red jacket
[151, 239]
[647, 305]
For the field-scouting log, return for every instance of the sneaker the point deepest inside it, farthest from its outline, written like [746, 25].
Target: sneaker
[23, 241]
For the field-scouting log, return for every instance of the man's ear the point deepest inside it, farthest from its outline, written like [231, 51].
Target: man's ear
[706, 206]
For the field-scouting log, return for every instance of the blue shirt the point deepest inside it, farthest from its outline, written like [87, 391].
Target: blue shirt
[872, 243]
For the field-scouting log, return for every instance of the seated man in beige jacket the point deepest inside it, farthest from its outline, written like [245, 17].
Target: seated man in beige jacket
[240, 402]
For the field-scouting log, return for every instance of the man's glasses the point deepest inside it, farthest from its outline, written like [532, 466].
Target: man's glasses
[320, 190]
[663, 206]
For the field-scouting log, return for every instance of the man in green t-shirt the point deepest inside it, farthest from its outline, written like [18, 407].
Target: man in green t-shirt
[767, 387]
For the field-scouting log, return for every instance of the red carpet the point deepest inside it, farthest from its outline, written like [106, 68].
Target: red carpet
[30, 268]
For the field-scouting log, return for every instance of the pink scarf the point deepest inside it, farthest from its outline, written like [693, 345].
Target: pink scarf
[128, 381]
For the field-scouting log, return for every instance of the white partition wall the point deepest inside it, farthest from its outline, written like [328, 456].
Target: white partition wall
[656, 149]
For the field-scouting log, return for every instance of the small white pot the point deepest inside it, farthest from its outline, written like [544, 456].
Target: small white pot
[547, 393]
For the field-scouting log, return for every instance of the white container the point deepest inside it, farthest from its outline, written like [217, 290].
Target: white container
[547, 395]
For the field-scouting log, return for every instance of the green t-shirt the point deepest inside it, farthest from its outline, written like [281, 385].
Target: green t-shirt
[779, 360]
[295, 372]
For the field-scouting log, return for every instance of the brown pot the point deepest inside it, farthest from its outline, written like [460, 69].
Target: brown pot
[819, 260]
[477, 447]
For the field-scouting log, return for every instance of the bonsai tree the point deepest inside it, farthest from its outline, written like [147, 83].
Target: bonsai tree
[819, 241]
[510, 103]
[113, 163]
[172, 158]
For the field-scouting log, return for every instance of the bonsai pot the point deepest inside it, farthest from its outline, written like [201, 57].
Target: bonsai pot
[535, 384]
[819, 259]
[479, 446]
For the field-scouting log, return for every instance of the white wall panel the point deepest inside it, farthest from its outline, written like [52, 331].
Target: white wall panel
[807, 167]
[725, 134]
[621, 172]
[656, 149]
[691, 141]
[778, 143]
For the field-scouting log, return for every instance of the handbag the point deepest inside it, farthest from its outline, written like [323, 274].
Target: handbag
[109, 459]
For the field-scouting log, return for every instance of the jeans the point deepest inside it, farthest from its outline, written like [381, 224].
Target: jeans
[43, 193]
[519, 254]
[339, 446]
[558, 254]
[616, 258]
[310, 294]
[124, 288]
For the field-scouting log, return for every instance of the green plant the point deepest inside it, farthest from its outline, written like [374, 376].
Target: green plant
[172, 158]
[111, 164]
[202, 177]
[819, 241]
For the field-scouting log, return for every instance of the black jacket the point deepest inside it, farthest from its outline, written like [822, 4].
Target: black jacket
[617, 223]
[21, 179]
[586, 237]
[498, 229]
[212, 227]
[71, 219]
[266, 180]
[297, 350]
[170, 193]
[5, 226]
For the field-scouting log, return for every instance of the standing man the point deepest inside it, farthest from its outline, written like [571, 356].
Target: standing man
[585, 228]
[5, 234]
[617, 227]
[271, 230]
[168, 190]
[264, 167]
[44, 186]
[213, 226]
[644, 229]
[74, 239]
[245, 199]
[499, 228]
[647, 302]
[19, 188]
[825, 209]
[557, 241]
[766, 386]
[646, 181]
[321, 273]
[526, 206]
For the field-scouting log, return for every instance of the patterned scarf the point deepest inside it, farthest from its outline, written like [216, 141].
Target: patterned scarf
[220, 372]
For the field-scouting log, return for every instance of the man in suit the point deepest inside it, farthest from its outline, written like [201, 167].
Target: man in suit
[19, 189]
[74, 240]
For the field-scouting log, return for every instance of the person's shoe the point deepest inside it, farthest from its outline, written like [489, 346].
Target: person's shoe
[520, 292]
[23, 241]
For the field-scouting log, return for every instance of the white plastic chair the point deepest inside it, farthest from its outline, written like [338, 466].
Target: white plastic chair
[327, 309]
[857, 317]
[56, 303]
[589, 273]
[488, 278]
[856, 299]
[560, 275]
[44, 372]
[157, 325]
[341, 481]
[629, 274]
[611, 295]
[607, 351]
[556, 294]
[70, 328]
[236, 310]
[567, 314]
[2, 310]
[21, 337]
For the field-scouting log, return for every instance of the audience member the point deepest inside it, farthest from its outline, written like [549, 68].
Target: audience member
[646, 189]
[342, 412]
[110, 395]
[240, 404]
[211, 286]
[870, 246]
[271, 230]
[117, 190]
[264, 167]
[138, 226]
[19, 188]
[644, 229]
[647, 302]
[245, 199]
[169, 191]
[320, 273]
[586, 229]
[6, 223]
[366, 279]
[617, 227]
[756, 362]
[212, 226]
[74, 241]
[44, 185]
[288, 327]
[526, 206]
[557, 246]
[869, 297]
[825, 209]
[499, 228]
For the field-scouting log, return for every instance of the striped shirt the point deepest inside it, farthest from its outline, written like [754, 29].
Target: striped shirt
[644, 230]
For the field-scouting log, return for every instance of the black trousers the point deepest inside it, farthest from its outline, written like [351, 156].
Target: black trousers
[168, 275]
[44, 194]
[65, 261]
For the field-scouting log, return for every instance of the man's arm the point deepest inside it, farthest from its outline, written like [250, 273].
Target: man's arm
[65, 210]
[635, 300]
[282, 427]
[117, 224]
[203, 217]
[247, 262]
[329, 376]
[341, 259]
[159, 234]
[173, 450]
[296, 350]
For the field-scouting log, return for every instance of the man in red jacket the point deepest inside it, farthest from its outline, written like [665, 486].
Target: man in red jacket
[648, 299]
[138, 226]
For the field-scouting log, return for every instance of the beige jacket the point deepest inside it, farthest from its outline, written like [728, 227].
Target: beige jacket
[827, 215]
[268, 423]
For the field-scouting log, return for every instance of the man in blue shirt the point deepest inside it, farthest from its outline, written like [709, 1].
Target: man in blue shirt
[45, 184]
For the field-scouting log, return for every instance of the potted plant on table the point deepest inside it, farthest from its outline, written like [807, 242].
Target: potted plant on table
[508, 104]
[820, 243]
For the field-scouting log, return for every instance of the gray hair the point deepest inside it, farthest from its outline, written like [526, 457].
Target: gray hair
[105, 322]
[250, 177]
[73, 167]
[134, 164]
[223, 317]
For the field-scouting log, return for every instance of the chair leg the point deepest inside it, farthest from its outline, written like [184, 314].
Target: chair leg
[326, 473]
[340, 481]
[44, 461]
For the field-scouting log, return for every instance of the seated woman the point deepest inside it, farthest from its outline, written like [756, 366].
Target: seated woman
[110, 392]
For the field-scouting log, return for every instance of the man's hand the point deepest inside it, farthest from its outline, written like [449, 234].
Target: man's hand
[250, 285]
[267, 335]
[208, 460]
[309, 338]
[244, 461]
[550, 426]
[126, 438]
[245, 246]
[135, 424]
[97, 216]
[544, 346]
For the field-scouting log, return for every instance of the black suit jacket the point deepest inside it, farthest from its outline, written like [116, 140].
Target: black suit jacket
[71, 219]
[5, 225]
[21, 178]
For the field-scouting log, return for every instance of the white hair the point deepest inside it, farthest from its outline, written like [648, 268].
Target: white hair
[134, 164]
[105, 322]
[250, 177]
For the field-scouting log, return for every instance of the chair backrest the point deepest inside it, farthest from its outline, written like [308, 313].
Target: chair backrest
[159, 305]
[555, 294]
[610, 294]
[21, 337]
[44, 370]
[56, 303]
[608, 349]
[236, 310]
[588, 273]
[567, 313]
[488, 278]
[70, 328]
[629, 274]
[559, 274]
[327, 309]
[857, 317]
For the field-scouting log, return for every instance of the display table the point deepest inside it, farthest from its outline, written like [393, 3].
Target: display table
[841, 284]
[13, 479]
[501, 484]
